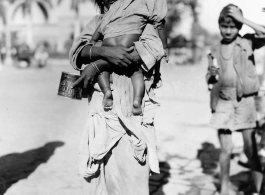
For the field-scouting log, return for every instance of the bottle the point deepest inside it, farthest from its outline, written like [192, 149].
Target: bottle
[215, 64]
[216, 77]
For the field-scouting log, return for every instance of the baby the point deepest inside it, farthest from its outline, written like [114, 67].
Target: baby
[123, 25]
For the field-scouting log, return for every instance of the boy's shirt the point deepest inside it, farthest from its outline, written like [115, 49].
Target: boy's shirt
[244, 64]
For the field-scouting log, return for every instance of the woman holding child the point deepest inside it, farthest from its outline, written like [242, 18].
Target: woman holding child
[118, 146]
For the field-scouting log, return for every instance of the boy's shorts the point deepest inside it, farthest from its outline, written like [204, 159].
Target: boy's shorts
[235, 115]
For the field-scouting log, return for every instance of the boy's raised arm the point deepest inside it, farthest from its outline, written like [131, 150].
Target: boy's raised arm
[237, 15]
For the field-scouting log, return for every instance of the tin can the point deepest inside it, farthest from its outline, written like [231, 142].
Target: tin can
[65, 86]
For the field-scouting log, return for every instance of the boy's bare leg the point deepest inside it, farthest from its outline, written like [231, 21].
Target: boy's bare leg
[250, 150]
[225, 137]
[138, 91]
[104, 84]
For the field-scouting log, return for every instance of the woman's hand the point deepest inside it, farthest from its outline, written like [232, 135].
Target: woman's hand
[118, 55]
[87, 76]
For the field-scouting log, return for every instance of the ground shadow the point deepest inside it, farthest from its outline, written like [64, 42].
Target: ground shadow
[17, 166]
[209, 157]
[156, 181]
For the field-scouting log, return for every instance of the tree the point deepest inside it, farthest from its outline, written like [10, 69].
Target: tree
[173, 16]
[175, 9]
[5, 15]
[75, 6]
[196, 28]
[26, 6]
[2, 12]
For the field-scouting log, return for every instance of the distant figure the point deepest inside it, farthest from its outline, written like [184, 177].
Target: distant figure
[1, 65]
[3, 53]
[23, 55]
[234, 83]
[41, 55]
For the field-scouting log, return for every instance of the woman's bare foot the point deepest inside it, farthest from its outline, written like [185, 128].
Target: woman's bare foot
[137, 108]
[107, 100]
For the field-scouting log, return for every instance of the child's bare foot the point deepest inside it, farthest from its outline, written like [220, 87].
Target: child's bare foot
[107, 100]
[137, 108]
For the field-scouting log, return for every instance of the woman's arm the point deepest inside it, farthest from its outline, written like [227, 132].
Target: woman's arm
[89, 73]
[117, 55]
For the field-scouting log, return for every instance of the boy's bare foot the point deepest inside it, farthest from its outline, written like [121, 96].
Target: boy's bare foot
[107, 100]
[137, 108]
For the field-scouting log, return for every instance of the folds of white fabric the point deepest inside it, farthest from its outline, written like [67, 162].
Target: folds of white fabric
[104, 129]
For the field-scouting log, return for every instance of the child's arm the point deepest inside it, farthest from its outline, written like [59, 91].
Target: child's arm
[163, 36]
[237, 15]
[96, 36]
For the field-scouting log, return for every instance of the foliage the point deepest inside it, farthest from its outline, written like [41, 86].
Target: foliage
[2, 12]
[75, 4]
[175, 9]
[26, 6]
[3, 9]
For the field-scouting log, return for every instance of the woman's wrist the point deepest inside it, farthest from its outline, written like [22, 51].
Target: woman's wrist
[90, 52]
[96, 68]
[102, 65]
[95, 53]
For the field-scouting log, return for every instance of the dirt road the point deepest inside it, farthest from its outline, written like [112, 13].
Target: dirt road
[40, 133]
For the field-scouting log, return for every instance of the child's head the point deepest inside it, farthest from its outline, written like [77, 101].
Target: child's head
[104, 5]
[229, 27]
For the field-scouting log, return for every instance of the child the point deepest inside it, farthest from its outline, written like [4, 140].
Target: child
[122, 25]
[235, 83]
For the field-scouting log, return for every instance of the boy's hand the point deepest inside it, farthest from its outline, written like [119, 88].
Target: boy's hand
[213, 70]
[235, 13]
[166, 55]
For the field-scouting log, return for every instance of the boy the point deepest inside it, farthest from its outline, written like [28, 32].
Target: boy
[235, 83]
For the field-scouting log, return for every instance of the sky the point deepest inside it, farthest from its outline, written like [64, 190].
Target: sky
[210, 9]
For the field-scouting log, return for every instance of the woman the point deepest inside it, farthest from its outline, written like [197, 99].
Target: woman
[117, 149]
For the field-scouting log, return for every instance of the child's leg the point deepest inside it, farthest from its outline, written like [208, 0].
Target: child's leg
[250, 149]
[138, 91]
[104, 83]
[225, 137]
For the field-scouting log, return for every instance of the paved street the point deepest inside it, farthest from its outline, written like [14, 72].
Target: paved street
[40, 132]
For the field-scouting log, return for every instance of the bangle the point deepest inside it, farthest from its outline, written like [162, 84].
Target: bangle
[90, 52]
[95, 67]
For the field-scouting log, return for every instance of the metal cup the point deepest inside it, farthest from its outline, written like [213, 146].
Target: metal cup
[65, 86]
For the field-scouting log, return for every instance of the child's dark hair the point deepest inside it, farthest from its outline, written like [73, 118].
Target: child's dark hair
[225, 18]
[101, 6]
